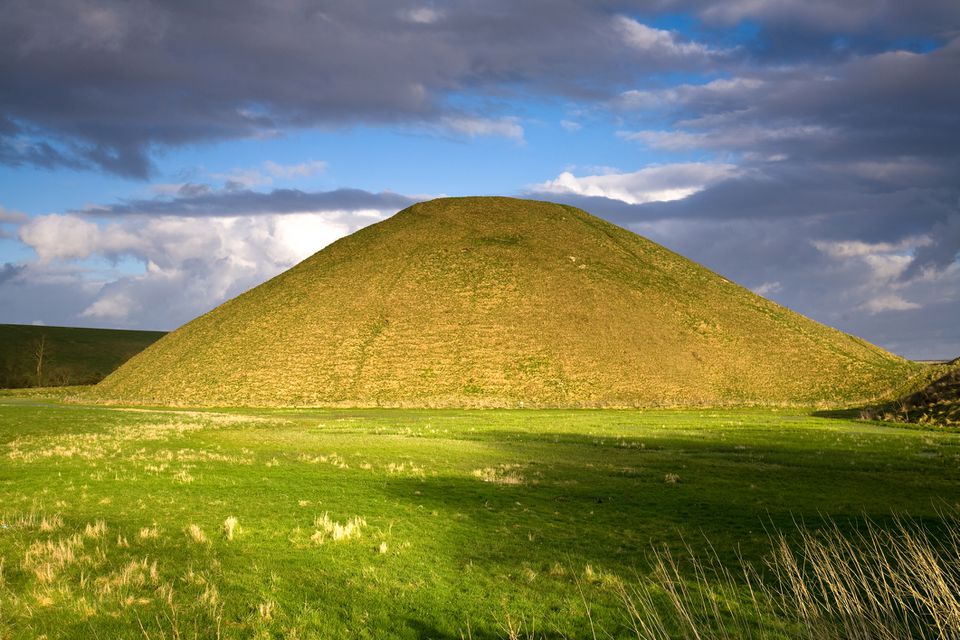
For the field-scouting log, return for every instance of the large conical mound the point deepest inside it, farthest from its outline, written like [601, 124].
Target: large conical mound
[497, 302]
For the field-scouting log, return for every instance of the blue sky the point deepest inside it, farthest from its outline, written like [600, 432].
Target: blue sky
[158, 159]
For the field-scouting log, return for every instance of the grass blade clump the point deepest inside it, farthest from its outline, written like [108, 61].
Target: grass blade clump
[881, 583]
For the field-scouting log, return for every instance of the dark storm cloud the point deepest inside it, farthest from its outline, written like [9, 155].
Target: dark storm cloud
[870, 145]
[845, 204]
[826, 28]
[104, 81]
[782, 193]
[40, 154]
[194, 200]
[9, 271]
[890, 105]
[942, 251]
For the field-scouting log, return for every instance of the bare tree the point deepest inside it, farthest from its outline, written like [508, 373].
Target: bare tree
[40, 348]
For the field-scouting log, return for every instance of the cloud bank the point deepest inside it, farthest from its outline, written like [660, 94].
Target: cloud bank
[159, 263]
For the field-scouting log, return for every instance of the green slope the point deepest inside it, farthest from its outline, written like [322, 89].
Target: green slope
[496, 302]
[71, 355]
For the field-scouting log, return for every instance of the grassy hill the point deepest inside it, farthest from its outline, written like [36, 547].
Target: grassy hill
[498, 302]
[70, 355]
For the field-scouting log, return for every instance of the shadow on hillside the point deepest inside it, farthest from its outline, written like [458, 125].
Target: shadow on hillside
[840, 414]
[935, 405]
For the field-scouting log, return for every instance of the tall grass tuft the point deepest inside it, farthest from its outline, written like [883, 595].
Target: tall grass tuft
[877, 584]
[883, 584]
[231, 526]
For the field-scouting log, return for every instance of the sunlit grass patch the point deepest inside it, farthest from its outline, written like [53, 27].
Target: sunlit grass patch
[408, 468]
[443, 547]
[331, 459]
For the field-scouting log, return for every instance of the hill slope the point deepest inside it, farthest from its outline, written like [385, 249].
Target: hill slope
[497, 301]
[937, 403]
[71, 355]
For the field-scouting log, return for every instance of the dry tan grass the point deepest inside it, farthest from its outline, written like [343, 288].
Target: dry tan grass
[96, 530]
[329, 529]
[183, 477]
[265, 610]
[501, 474]
[879, 584]
[196, 534]
[148, 533]
[589, 574]
[332, 459]
[50, 524]
[405, 468]
[46, 558]
[79, 575]
[124, 443]
[231, 527]
[134, 575]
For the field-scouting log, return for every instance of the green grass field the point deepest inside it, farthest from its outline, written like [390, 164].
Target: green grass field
[415, 523]
[72, 355]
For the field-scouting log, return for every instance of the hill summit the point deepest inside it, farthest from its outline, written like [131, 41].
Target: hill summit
[500, 302]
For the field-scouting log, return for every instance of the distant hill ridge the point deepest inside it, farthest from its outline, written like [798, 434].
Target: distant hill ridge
[496, 302]
[69, 355]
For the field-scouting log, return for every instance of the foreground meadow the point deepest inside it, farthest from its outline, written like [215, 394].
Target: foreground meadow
[133, 523]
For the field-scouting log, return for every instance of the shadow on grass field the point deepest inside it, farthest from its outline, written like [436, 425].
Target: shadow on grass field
[442, 524]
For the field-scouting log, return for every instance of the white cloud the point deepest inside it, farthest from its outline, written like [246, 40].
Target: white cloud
[655, 41]
[665, 140]
[506, 127]
[244, 178]
[116, 306]
[421, 15]
[888, 302]
[65, 237]
[842, 16]
[723, 90]
[887, 261]
[289, 171]
[768, 288]
[571, 126]
[860, 249]
[190, 263]
[733, 137]
[651, 184]
[883, 265]
[265, 175]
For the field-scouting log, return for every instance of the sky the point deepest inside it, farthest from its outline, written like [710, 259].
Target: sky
[158, 158]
